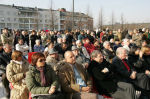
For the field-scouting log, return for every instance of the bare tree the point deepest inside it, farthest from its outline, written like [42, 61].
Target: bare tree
[122, 21]
[112, 20]
[101, 19]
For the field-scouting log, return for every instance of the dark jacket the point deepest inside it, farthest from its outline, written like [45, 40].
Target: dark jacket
[16, 38]
[137, 63]
[104, 82]
[4, 60]
[146, 59]
[33, 80]
[33, 38]
[25, 39]
[128, 36]
[81, 37]
[108, 54]
[121, 72]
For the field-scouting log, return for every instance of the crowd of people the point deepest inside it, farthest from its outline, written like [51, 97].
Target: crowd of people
[80, 64]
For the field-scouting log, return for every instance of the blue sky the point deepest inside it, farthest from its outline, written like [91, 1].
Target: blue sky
[134, 11]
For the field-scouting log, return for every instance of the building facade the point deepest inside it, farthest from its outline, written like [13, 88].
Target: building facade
[27, 18]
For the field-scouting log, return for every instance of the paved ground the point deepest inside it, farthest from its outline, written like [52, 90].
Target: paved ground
[2, 91]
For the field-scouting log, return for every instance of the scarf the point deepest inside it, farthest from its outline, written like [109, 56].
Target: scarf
[126, 65]
[42, 75]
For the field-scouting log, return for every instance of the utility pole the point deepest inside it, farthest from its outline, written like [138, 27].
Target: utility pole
[73, 16]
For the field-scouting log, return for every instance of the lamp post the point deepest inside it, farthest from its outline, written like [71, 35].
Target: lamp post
[73, 15]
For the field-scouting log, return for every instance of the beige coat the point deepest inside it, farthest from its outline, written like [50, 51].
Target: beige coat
[6, 40]
[137, 39]
[15, 75]
[67, 78]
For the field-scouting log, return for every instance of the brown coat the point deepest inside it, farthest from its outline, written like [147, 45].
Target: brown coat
[15, 75]
[67, 78]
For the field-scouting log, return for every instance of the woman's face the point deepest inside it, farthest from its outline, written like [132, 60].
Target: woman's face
[19, 58]
[40, 62]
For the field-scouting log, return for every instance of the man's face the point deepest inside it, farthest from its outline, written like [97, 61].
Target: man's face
[79, 44]
[21, 42]
[75, 52]
[123, 54]
[5, 31]
[55, 55]
[99, 58]
[70, 58]
[8, 49]
[107, 46]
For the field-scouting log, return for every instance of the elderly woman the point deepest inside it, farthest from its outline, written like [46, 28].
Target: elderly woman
[38, 47]
[41, 79]
[16, 72]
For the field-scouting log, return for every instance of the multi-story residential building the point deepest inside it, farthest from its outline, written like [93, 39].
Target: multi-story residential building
[27, 18]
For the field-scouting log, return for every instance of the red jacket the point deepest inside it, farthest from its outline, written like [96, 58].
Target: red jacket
[89, 47]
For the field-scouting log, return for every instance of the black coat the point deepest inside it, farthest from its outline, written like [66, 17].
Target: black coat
[108, 54]
[16, 38]
[104, 82]
[25, 39]
[137, 63]
[121, 72]
[146, 59]
[4, 60]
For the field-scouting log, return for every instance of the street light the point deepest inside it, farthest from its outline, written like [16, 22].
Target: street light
[73, 16]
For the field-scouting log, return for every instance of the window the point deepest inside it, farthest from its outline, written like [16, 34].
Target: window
[1, 12]
[8, 19]
[15, 19]
[8, 13]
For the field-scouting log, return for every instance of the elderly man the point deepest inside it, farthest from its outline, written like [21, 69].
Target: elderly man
[108, 52]
[124, 72]
[104, 80]
[5, 58]
[52, 59]
[73, 77]
[82, 49]
[80, 58]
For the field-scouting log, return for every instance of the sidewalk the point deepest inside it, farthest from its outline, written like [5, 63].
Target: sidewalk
[2, 91]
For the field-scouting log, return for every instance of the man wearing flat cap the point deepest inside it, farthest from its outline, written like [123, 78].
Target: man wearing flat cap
[52, 58]
[80, 58]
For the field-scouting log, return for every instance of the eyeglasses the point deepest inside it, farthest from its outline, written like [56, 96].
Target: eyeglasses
[42, 60]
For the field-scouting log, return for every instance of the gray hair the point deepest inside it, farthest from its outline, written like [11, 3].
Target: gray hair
[125, 40]
[120, 50]
[78, 41]
[66, 54]
[105, 43]
[95, 53]
[37, 40]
